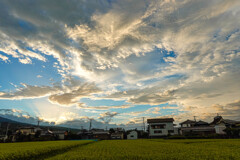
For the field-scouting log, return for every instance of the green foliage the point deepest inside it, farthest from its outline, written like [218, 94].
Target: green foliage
[152, 149]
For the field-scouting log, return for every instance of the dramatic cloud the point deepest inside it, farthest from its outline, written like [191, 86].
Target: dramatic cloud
[64, 95]
[29, 91]
[107, 116]
[182, 52]
[23, 117]
[83, 106]
[72, 97]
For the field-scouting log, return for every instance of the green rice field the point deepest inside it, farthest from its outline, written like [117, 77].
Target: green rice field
[214, 149]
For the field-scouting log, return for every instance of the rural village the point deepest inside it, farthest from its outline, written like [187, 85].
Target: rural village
[156, 128]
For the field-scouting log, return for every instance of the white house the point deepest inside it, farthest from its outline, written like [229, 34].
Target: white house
[160, 127]
[132, 135]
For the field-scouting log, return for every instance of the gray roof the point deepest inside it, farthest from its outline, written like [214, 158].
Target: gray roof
[103, 132]
[228, 121]
[188, 122]
[160, 120]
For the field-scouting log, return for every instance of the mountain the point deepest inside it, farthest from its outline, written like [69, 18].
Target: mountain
[2, 120]
[13, 125]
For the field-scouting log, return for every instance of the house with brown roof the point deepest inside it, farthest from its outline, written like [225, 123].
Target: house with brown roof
[118, 135]
[159, 127]
[102, 135]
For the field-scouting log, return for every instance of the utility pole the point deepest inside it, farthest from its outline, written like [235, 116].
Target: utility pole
[143, 124]
[38, 123]
[106, 128]
[90, 125]
[6, 136]
[7, 129]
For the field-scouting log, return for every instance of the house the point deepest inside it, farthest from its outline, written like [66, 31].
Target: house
[187, 123]
[46, 133]
[84, 134]
[132, 135]
[221, 124]
[29, 130]
[190, 127]
[159, 127]
[118, 130]
[102, 135]
[117, 135]
[61, 135]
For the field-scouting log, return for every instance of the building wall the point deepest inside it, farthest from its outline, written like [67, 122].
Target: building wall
[168, 129]
[61, 136]
[132, 135]
[219, 128]
[27, 131]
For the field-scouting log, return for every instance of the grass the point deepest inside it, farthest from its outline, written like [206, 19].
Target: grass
[125, 149]
[36, 150]
[157, 149]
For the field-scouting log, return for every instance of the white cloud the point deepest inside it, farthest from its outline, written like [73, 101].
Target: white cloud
[107, 116]
[84, 106]
[73, 96]
[4, 58]
[29, 91]
[39, 76]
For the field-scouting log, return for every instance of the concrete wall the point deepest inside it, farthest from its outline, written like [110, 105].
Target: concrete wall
[164, 131]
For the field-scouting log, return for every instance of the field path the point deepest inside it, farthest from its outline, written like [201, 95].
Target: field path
[51, 154]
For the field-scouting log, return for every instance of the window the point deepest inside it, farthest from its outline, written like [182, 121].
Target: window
[170, 131]
[132, 136]
[159, 126]
[159, 131]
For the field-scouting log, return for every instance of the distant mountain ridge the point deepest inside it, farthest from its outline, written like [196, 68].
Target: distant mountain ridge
[14, 125]
[6, 120]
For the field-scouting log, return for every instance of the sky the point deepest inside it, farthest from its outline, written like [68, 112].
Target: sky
[117, 61]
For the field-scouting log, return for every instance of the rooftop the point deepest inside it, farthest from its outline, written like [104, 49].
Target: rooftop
[188, 122]
[160, 120]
